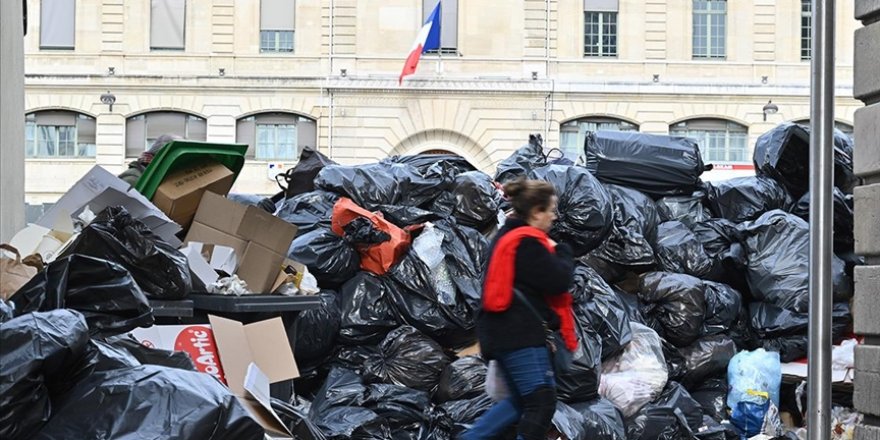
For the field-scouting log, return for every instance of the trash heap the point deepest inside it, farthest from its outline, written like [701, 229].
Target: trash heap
[688, 296]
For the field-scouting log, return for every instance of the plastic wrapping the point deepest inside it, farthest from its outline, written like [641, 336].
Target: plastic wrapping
[686, 209]
[633, 231]
[367, 315]
[778, 262]
[462, 379]
[429, 248]
[723, 305]
[153, 402]
[712, 396]
[467, 256]
[309, 211]
[580, 382]
[522, 161]
[474, 201]
[338, 409]
[653, 164]
[42, 354]
[679, 251]
[296, 419]
[6, 311]
[585, 209]
[376, 184]
[600, 305]
[844, 241]
[104, 292]
[314, 331]
[674, 304]
[301, 178]
[708, 357]
[755, 378]
[330, 258]
[595, 420]
[160, 270]
[401, 408]
[675, 415]
[638, 375]
[408, 358]
[783, 154]
[746, 198]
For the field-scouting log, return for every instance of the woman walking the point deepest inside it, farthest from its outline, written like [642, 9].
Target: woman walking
[511, 332]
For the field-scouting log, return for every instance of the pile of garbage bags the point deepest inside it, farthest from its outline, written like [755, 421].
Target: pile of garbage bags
[677, 283]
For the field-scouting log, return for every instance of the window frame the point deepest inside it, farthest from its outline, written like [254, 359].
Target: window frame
[443, 50]
[711, 51]
[248, 132]
[50, 47]
[182, 47]
[601, 35]
[806, 30]
[34, 135]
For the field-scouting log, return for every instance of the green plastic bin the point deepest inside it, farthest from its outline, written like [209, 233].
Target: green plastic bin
[182, 153]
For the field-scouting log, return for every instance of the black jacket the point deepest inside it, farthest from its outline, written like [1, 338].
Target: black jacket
[538, 273]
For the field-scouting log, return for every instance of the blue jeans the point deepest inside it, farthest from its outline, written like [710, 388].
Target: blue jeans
[532, 390]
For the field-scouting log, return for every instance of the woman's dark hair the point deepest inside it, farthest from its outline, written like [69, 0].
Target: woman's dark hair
[526, 195]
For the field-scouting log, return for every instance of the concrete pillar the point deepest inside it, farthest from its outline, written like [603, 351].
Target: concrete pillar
[11, 119]
[866, 87]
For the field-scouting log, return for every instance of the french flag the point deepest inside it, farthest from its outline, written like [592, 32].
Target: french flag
[428, 39]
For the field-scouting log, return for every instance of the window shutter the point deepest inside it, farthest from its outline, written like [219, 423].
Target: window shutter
[57, 24]
[167, 24]
[600, 5]
[277, 15]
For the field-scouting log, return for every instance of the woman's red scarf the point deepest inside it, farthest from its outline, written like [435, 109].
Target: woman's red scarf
[498, 288]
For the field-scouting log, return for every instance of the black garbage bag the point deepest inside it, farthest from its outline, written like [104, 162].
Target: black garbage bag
[424, 162]
[362, 232]
[778, 262]
[676, 364]
[456, 416]
[6, 311]
[161, 271]
[686, 209]
[713, 430]
[474, 201]
[308, 211]
[633, 231]
[352, 357]
[144, 355]
[376, 184]
[338, 409]
[746, 198]
[785, 331]
[462, 379]
[151, 402]
[599, 304]
[246, 199]
[522, 161]
[402, 408]
[403, 216]
[585, 208]
[723, 242]
[711, 394]
[679, 251]
[708, 357]
[598, 419]
[110, 357]
[329, 257]
[412, 294]
[656, 165]
[783, 154]
[313, 332]
[297, 421]
[844, 241]
[675, 415]
[301, 178]
[467, 257]
[409, 358]
[581, 382]
[723, 305]
[367, 313]
[104, 292]
[674, 306]
[42, 355]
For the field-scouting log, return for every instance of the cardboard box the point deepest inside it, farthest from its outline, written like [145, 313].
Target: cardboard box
[196, 340]
[254, 356]
[260, 240]
[181, 191]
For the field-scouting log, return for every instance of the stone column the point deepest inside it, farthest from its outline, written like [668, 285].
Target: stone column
[866, 309]
[11, 119]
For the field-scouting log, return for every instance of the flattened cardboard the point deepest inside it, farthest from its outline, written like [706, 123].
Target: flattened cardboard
[180, 193]
[259, 402]
[246, 222]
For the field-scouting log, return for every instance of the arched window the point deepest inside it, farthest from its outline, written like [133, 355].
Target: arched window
[276, 135]
[59, 133]
[720, 140]
[143, 129]
[842, 126]
[572, 134]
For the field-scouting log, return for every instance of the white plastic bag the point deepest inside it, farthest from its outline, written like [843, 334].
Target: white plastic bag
[429, 248]
[638, 375]
[496, 384]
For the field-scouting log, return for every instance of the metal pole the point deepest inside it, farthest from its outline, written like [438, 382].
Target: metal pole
[821, 221]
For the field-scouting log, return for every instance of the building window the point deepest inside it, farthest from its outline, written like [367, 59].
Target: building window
[806, 29]
[277, 25]
[142, 130]
[573, 134]
[720, 141]
[57, 24]
[167, 29]
[449, 24]
[710, 28]
[276, 136]
[600, 28]
[56, 134]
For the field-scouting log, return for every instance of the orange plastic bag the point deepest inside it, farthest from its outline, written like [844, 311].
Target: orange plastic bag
[377, 258]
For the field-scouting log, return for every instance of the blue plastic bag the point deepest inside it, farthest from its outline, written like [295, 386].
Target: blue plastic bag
[755, 378]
